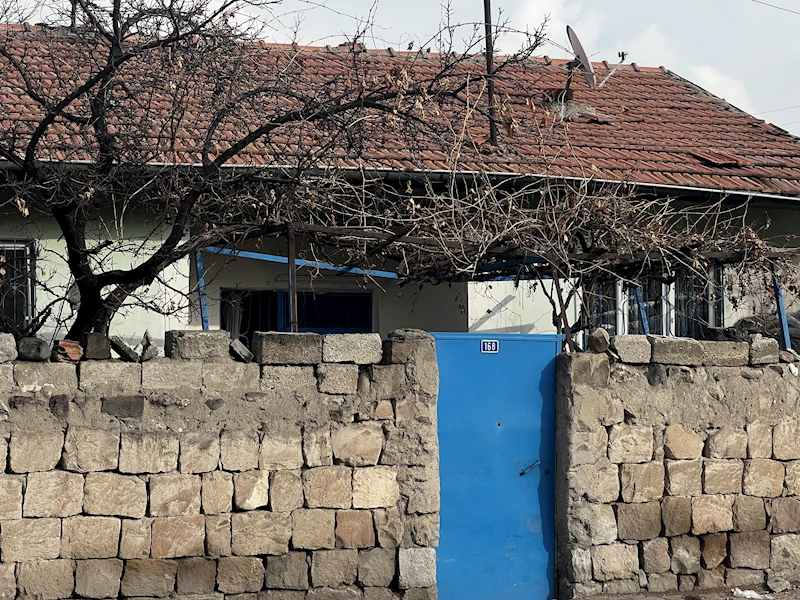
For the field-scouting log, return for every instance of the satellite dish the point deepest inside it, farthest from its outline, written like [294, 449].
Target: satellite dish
[584, 64]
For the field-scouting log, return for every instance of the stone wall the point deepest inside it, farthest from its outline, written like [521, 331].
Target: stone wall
[679, 467]
[309, 474]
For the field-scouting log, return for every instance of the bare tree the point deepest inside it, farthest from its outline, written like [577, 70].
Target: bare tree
[175, 114]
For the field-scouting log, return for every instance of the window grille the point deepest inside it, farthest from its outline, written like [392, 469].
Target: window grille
[17, 300]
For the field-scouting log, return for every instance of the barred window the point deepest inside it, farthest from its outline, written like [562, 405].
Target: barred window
[17, 275]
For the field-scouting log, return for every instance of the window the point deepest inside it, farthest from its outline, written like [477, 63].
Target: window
[684, 308]
[246, 311]
[17, 262]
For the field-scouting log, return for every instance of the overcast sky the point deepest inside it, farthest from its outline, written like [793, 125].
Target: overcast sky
[745, 52]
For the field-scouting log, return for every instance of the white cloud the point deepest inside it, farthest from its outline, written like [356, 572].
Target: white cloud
[586, 22]
[722, 85]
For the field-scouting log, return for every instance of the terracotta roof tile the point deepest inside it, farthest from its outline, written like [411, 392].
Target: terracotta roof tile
[647, 125]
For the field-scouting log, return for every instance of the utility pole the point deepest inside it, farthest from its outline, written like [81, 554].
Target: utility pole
[487, 14]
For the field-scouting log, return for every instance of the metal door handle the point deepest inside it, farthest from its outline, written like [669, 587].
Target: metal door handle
[529, 469]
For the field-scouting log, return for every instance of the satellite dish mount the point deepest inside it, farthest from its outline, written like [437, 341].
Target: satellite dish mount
[582, 62]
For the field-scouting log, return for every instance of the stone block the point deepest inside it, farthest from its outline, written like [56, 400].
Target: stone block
[240, 352]
[642, 482]
[48, 379]
[240, 574]
[749, 514]
[288, 379]
[793, 478]
[281, 448]
[388, 382]
[662, 582]
[282, 595]
[354, 529]
[710, 580]
[239, 450]
[375, 487]
[744, 578]
[114, 495]
[199, 452]
[337, 379]
[251, 489]
[287, 572]
[33, 349]
[685, 554]
[197, 345]
[390, 529]
[749, 550]
[686, 583]
[348, 593]
[230, 377]
[260, 532]
[728, 442]
[587, 447]
[164, 374]
[149, 578]
[722, 476]
[632, 349]
[197, 576]
[680, 444]
[684, 477]
[726, 354]
[218, 535]
[417, 567]
[98, 578]
[89, 449]
[96, 346]
[763, 478]
[630, 444]
[286, 491]
[328, 487]
[676, 351]
[46, 580]
[174, 495]
[110, 377]
[376, 567]
[639, 521]
[712, 514]
[175, 537]
[785, 552]
[90, 537]
[8, 348]
[384, 410]
[677, 515]
[359, 348]
[621, 587]
[597, 482]
[358, 445]
[424, 530]
[124, 407]
[135, 539]
[579, 565]
[313, 529]
[334, 568]
[655, 556]
[759, 440]
[786, 440]
[11, 496]
[715, 549]
[592, 370]
[612, 562]
[592, 524]
[34, 452]
[317, 446]
[30, 539]
[217, 492]
[148, 452]
[785, 516]
[764, 351]
[287, 348]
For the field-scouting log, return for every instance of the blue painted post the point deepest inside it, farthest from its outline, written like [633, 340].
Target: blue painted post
[201, 286]
[637, 292]
[786, 341]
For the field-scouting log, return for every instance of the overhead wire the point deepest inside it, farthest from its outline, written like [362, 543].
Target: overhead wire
[789, 10]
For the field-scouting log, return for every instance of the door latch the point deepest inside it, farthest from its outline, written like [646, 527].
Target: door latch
[529, 469]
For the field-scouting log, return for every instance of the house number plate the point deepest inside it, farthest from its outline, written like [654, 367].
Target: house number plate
[490, 346]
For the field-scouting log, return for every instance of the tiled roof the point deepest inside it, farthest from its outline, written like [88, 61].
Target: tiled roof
[646, 126]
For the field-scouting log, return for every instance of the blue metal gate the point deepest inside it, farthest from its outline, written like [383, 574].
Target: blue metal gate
[497, 464]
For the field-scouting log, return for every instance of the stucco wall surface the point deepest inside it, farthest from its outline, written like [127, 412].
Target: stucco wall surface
[309, 474]
[678, 466]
